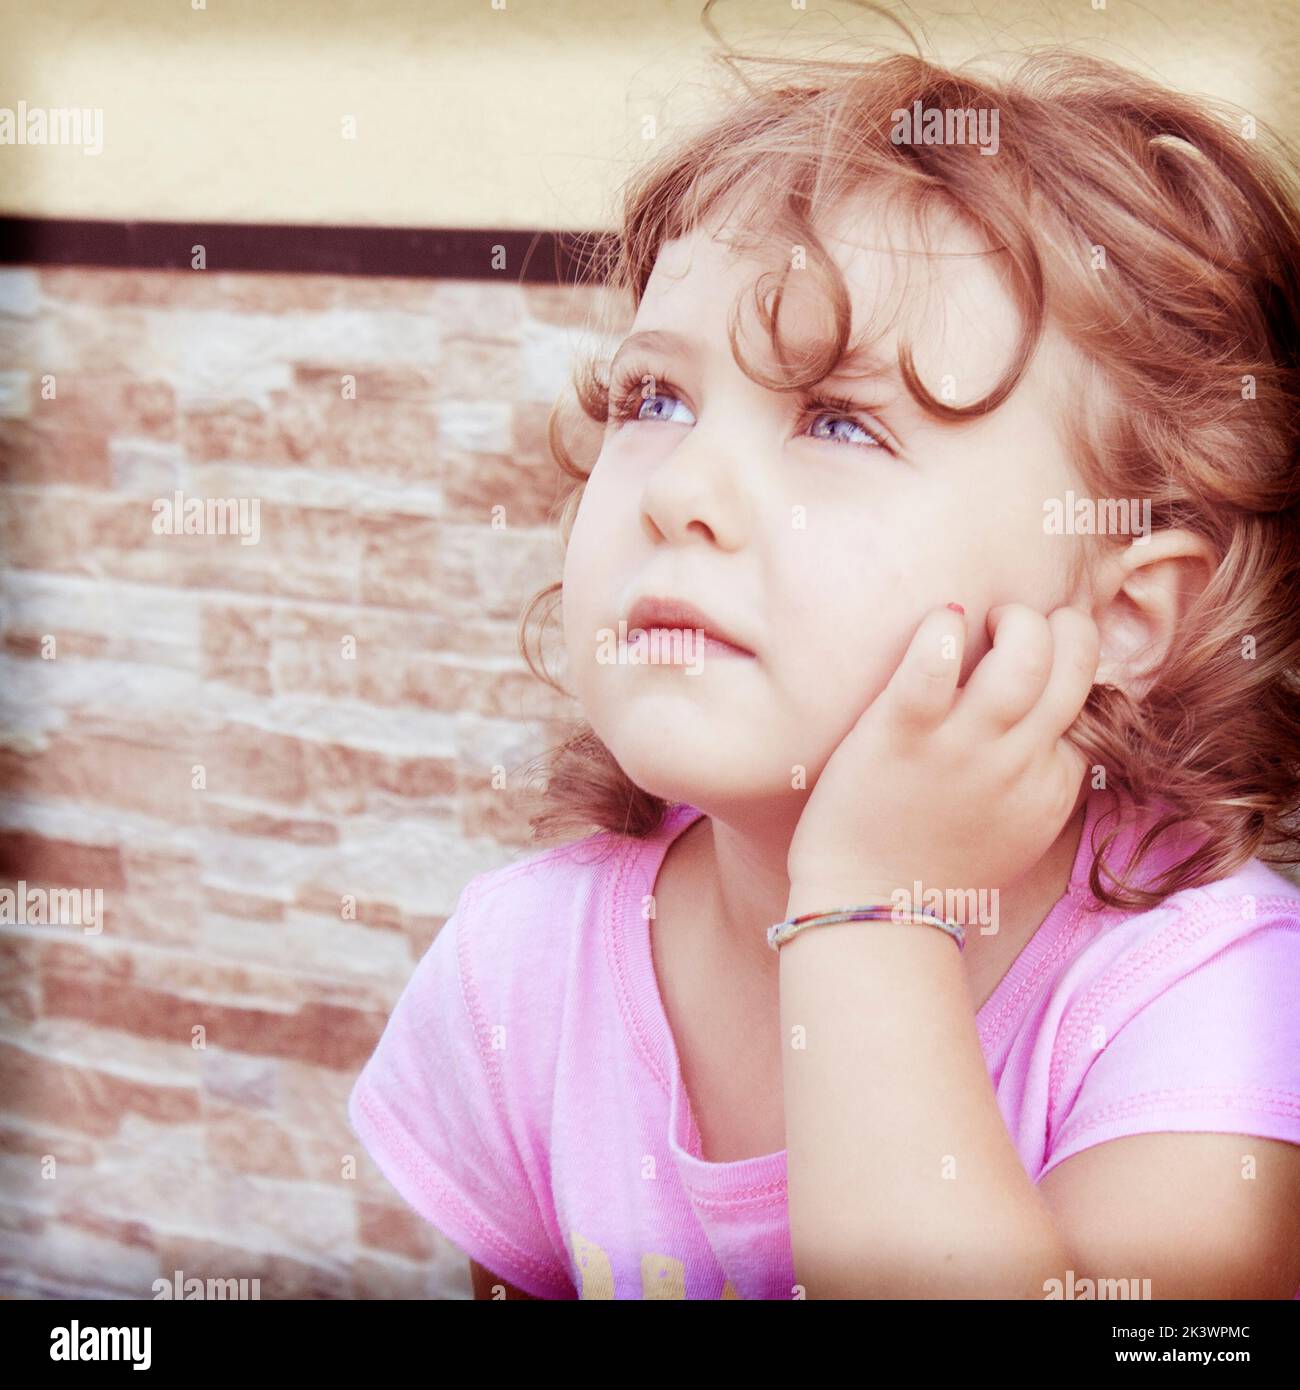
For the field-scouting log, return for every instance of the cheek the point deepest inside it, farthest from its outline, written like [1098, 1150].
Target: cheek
[584, 555]
[579, 603]
[839, 626]
[854, 617]
[596, 569]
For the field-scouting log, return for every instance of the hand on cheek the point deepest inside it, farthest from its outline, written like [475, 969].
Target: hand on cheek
[957, 787]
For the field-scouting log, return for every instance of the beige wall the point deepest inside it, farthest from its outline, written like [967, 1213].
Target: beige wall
[472, 115]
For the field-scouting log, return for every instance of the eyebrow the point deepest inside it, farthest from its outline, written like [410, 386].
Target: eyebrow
[658, 340]
[862, 361]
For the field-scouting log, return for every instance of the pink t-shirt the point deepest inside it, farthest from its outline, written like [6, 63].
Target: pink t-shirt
[526, 1096]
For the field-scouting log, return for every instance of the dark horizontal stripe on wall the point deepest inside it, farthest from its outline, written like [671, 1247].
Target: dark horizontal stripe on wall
[551, 258]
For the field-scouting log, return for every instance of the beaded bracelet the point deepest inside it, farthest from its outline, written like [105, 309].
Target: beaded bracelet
[781, 932]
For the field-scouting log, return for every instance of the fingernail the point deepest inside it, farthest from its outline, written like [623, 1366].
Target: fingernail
[957, 608]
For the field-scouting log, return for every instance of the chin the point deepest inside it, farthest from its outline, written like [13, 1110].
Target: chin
[706, 773]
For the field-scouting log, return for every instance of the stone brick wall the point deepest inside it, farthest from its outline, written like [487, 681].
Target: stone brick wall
[234, 742]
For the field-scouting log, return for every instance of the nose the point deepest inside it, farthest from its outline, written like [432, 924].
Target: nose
[698, 488]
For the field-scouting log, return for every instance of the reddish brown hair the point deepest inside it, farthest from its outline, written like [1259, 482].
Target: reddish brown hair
[1189, 340]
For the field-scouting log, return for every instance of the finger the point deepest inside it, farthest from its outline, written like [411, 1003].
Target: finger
[1076, 647]
[1059, 772]
[920, 692]
[1072, 768]
[1013, 673]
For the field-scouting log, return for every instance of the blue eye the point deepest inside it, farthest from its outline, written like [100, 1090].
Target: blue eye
[871, 437]
[636, 396]
[651, 401]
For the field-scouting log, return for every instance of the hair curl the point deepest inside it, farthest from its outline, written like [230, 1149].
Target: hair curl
[1189, 337]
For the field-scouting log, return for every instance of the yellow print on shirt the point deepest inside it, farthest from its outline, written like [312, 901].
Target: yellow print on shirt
[661, 1275]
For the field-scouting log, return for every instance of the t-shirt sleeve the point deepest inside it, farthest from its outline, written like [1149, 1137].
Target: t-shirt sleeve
[1213, 1049]
[427, 1108]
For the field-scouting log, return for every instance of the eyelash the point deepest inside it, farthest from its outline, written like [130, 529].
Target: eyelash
[626, 398]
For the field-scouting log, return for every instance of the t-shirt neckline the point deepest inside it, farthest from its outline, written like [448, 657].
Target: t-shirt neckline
[761, 1178]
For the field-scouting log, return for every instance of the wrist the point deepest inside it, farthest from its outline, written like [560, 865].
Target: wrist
[826, 894]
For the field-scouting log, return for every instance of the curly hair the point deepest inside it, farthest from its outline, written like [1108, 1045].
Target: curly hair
[1188, 344]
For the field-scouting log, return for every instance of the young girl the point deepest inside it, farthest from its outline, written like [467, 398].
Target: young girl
[936, 558]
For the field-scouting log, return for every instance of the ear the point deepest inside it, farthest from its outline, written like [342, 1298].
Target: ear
[1139, 597]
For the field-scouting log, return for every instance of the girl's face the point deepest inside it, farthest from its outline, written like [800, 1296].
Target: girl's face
[817, 537]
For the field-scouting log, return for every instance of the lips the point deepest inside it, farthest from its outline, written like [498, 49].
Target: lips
[654, 611]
